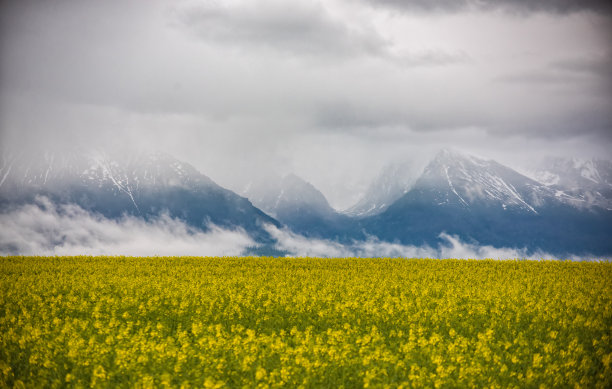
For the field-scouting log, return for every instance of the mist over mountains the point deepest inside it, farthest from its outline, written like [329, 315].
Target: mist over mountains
[562, 208]
[306, 128]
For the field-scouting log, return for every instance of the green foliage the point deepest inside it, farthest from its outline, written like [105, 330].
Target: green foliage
[278, 322]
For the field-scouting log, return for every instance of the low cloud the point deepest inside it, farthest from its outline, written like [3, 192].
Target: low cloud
[301, 246]
[450, 247]
[44, 228]
[47, 229]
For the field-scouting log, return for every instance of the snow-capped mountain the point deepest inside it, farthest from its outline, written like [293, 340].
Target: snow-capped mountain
[482, 200]
[581, 182]
[278, 196]
[476, 199]
[393, 182]
[455, 178]
[142, 185]
[123, 175]
[299, 205]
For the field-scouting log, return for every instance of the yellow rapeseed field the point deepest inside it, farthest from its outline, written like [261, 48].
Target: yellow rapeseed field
[286, 322]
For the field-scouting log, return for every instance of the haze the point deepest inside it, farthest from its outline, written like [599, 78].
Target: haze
[330, 91]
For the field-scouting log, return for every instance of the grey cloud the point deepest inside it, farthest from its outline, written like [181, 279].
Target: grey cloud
[557, 100]
[597, 66]
[369, 119]
[299, 29]
[240, 87]
[539, 77]
[432, 58]
[412, 125]
[296, 27]
[591, 122]
[585, 83]
[569, 70]
[514, 6]
[344, 114]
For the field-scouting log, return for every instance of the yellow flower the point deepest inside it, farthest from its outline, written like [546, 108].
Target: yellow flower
[260, 373]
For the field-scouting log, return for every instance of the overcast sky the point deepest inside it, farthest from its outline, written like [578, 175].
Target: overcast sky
[330, 90]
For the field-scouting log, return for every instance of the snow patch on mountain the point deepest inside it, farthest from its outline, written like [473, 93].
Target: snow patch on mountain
[577, 181]
[453, 177]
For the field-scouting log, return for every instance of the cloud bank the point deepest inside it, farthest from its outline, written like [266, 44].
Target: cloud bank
[450, 247]
[47, 229]
[44, 228]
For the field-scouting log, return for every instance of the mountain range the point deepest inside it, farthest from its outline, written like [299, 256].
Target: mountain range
[142, 185]
[563, 207]
[481, 200]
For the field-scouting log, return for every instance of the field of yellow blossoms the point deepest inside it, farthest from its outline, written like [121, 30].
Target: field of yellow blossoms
[286, 322]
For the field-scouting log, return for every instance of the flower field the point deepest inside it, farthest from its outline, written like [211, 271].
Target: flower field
[276, 322]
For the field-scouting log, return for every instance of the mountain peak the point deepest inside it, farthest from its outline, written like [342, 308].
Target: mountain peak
[449, 152]
[138, 184]
[291, 180]
[453, 156]
[459, 179]
[277, 196]
[393, 181]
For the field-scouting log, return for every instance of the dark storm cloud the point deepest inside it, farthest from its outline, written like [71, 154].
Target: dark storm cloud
[517, 6]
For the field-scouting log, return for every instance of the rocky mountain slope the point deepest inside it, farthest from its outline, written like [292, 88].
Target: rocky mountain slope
[143, 185]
